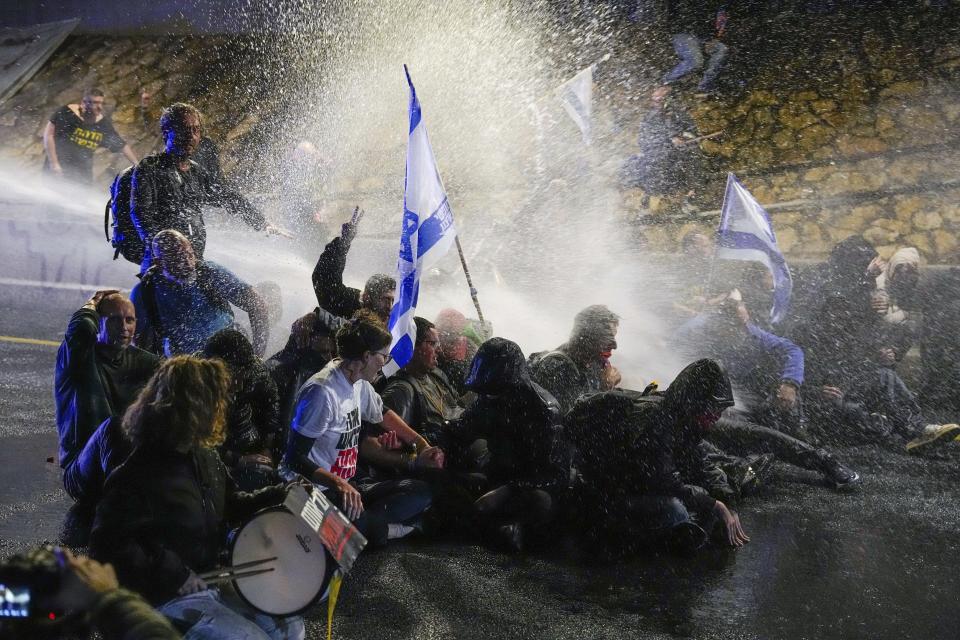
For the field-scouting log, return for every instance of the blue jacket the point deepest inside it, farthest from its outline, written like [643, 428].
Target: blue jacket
[754, 361]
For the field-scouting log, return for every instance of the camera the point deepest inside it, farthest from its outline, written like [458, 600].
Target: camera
[41, 597]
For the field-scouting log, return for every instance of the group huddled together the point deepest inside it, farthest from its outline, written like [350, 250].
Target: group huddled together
[173, 429]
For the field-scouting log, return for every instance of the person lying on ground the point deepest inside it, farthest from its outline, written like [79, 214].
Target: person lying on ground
[766, 372]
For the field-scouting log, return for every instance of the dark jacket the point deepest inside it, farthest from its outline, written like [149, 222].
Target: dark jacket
[290, 368]
[630, 444]
[177, 328]
[518, 418]
[563, 378]
[122, 615]
[163, 197]
[253, 417]
[165, 513]
[105, 451]
[332, 295]
[93, 382]
[837, 329]
[413, 399]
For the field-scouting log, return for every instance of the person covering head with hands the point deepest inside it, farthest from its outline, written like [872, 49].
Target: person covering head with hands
[98, 374]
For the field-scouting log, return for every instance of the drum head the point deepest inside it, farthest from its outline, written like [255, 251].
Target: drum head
[301, 571]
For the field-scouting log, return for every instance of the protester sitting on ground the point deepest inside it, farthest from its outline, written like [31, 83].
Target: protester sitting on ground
[254, 435]
[420, 392]
[937, 299]
[99, 373]
[169, 189]
[325, 437]
[528, 469]
[182, 300]
[87, 593]
[343, 301]
[163, 515]
[852, 396]
[309, 348]
[582, 364]
[646, 480]
[459, 340]
[766, 372]
[896, 287]
[74, 132]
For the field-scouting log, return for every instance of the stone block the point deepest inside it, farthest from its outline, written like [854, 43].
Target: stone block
[784, 139]
[908, 170]
[903, 89]
[879, 235]
[814, 136]
[927, 220]
[796, 115]
[787, 238]
[905, 207]
[823, 105]
[921, 241]
[804, 96]
[944, 242]
[761, 97]
[858, 145]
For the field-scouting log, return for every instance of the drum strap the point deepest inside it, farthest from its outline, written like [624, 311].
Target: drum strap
[332, 601]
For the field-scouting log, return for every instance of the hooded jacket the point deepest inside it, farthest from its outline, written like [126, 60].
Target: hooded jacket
[628, 443]
[519, 419]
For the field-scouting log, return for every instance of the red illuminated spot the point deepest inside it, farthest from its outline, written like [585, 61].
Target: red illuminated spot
[52, 616]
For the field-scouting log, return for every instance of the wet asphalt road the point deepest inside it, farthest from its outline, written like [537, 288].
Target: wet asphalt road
[878, 562]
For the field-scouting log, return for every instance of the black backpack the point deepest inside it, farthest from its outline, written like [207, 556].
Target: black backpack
[124, 238]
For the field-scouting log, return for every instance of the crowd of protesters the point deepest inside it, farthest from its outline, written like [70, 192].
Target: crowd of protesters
[174, 426]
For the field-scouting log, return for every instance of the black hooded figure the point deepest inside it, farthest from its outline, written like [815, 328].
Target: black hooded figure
[520, 421]
[645, 479]
[254, 431]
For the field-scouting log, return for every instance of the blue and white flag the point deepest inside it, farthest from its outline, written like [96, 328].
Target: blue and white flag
[426, 233]
[746, 234]
[576, 96]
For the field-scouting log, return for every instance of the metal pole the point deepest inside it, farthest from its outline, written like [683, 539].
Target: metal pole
[466, 271]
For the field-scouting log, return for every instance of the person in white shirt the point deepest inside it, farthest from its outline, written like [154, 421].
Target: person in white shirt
[325, 438]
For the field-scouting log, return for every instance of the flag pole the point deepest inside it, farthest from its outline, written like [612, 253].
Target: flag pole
[466, 271]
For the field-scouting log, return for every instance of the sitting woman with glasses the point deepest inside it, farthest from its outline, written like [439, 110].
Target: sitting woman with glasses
[325, 437]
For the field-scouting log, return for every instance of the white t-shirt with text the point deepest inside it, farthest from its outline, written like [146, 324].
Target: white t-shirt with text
[330, 409]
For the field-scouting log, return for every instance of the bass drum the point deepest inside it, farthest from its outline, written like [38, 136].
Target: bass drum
[302, 569]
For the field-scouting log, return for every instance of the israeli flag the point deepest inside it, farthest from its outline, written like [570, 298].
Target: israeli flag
[576, 96]
[426, 233]
[746, 234]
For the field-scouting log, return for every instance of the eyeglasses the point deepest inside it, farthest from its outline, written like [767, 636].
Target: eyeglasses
[386, 357]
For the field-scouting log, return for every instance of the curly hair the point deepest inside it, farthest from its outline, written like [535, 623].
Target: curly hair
[184, 405]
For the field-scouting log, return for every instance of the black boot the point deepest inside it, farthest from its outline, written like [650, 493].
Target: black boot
[840, 476]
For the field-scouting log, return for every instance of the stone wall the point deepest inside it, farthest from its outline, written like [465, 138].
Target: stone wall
[873, 150]
[869, 145]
